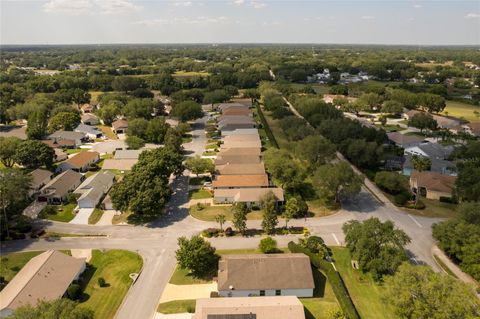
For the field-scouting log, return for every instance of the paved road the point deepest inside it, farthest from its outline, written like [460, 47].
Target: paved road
[156, 242]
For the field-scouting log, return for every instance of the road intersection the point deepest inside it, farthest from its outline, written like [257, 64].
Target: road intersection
[157, 241]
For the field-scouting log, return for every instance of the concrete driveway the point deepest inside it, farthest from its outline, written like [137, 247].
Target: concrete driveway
[82, 216]
[183, 292]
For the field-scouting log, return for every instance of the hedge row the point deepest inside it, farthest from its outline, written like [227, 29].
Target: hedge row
[333, 277]
[266, 127]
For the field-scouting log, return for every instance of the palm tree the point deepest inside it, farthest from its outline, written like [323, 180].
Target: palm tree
[220, 218]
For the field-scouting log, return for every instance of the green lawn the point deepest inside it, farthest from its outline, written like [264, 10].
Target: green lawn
[190, 73]
[177, 306]
[209, 212]
[317, 208]
[187, 138]
[199, 180]
[95, 216]
[365, 293]
[64, 213]
[114, 266]
[183, 277]
[107, 131]
[209, 153]
[11, 264]
[324, 299]
[200, 194]
[459, 109]
[435, 208]
[73, 150]
[391, 128]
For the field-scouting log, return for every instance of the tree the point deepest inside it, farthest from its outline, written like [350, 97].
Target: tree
[187, 111]
[378, 247]
[392, 107]
[292, 210]
[333, 180]
[127, 83]
[74, 291]
[362, 153]
[34, 154]
[60, 308]
[419, 292]
[423, 121]
[109, 112]
[8, 149]
[197, 256]
[421, 163]
[173, 138]
[268, 245]
[268, 202]
[221, 219]
[66, 121]
[216, 96]
[283, 168]
[137, 127]
[198, 165]
[373, 101]
[314, 244]
[239, 221]
[134, 142]
[139, 108]
[433, 103]
[468, 182]
[315, 149]
[37, 125]
[14, 187]
[156, 130]
[391, 182]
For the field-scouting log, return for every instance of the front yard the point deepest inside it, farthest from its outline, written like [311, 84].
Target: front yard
[435, 208]
[208, 212]
[199, 194]
[64, 213]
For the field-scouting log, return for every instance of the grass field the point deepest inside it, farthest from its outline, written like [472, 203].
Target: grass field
[95, 216]
[365, 293]
[114, 266]
[183, 277]
[11, 264]
[190, 74]
[459, 109]
[209, 213]
[94, 96]
[64, 213]
[199, 194]
[107, 131]
[177, 306]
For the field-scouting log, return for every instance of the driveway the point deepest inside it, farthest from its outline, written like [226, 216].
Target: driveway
[82, 216]
[106, 218]
[183, 292]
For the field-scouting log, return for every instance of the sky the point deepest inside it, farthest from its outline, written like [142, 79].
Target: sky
[428, 22]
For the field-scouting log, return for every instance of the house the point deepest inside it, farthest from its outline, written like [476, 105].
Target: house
[243, 137]
[265, 275]
[80, 162]
[91, 132]
[329, 98]
[224, 106]
[234, 119]
[240, 151]
[127, 154]
[89, 119]
[13, 131]
[241, 159]
[87, 108]
[237, 112]
[244, 101]
[437, 153]
[120, 126]
[78, 137]
[250, 196]
[57, 189]
[40, 177]
[240, 181]
[432, 185]
[119, 164]
[60, 143]
[278, 307]
[44, 277]
[93, 189]
[403, 140]
[241, 169]
[241, 131]
[241, 144]
[469, 128]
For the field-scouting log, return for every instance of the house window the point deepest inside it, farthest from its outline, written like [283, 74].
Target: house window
[278, 292]
[262, 292]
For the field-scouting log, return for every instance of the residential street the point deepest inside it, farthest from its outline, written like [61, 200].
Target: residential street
[156, 242]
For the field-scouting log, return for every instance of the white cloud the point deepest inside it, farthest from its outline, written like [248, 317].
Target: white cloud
[239, 2]
[367, 17]
[77, 7]
[182, 3]
[417, 6]
[472, 15]
[257, 5]
[182, 20]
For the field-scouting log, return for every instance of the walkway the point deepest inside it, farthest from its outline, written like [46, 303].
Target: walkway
[466, 278]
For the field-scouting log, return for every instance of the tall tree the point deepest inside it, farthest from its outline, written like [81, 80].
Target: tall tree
[315, 149]
[59, 309]
[34, 154]
[419, 292]
[291, 210]
[239, 221]
[421, 163]
[37, 125]
[333, 180]
[269, 205]
[187, 111]
[283, 168]
[8, 149]
[220, 219]
[378, 247]
[423, 121]
[198, 165]
[66, 121]
[197, 256]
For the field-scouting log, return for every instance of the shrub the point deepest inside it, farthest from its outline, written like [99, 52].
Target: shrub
[72, 198]
[200, 206]
[101, 282]
[229, 232]
[268, 245]
[74, 291]
[211, 232]
[296, 230]
[401, 199]
[418, 205]
[49, 210]
[444, 199]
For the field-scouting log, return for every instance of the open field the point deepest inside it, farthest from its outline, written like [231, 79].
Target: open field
[114, 266]
[190, 74]
[365, 293]
[459, 109]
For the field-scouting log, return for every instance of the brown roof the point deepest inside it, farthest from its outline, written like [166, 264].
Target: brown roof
[120, 124]
[474, 127]
[265, 272]
[244, 101]
[241, 181]
[240, 151]
[125, 164]
[237, 159]
[237, 111]
[59, 143]
[224, 106]
[238, 169]
[46, 276]
[241, 138]
[278, 307]
[81, 159]
[434, 181]
[87, 107]
[241, 144]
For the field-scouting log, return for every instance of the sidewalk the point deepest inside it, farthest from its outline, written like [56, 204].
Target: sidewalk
[453, 267]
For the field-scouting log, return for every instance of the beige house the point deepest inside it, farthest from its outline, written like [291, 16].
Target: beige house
[265, 275]
[57, 189]
[120, 126]
[80, 162]
[250, 196]
[277, 307]
[40, 177]
[432, 185]
[240, 181]
[45, 277]
[241, 169]
[240, 159]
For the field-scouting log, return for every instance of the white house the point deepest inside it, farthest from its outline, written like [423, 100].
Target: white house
[265, 275]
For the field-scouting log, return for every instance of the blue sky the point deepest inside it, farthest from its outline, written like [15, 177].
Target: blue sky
[238, 21]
